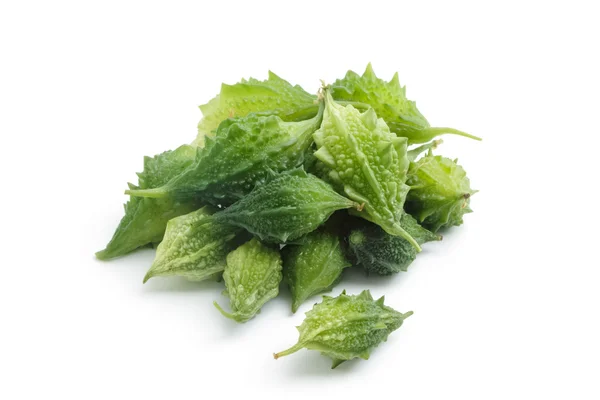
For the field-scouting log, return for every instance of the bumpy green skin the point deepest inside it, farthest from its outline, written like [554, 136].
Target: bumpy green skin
[194, 246]
[314, 266]
[367, 162]
[243, 153]
[252, 278]
[379, 252]
[145, 219]
[347, 327]
[286, 208]
[440, 192]
[389, 101]
[274, 96]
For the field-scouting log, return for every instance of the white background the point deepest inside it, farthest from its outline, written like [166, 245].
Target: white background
[505, 307]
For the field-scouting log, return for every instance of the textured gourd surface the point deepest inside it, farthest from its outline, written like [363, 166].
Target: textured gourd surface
[366, 161]
[146, 219]
[194, 246]
[440, 192]
[379, 252]
[286, 208]
[274, 96]
[347, 327]
[389, 101]
[252, 278]
[241, 155]
[313, 266]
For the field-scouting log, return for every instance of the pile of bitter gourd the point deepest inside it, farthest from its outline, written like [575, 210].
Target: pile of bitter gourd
[281, 184]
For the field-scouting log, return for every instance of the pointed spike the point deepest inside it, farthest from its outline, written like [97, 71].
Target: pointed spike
[380, 300]
[325, 157]
[384, 147]
[365, 294]
[369, 71]
[336, 363]
[369, 118]
[274, 76]
[395, 82]
[400, 143]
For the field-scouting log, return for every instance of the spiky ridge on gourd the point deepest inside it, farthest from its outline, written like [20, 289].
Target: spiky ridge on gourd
[274, 96]
[287, 207]
[440, 192]
[145, 220]
[379, 252]
[366, 162]
[252, 278]
[244, 151]
[347, 327]
[389, 101]
[195, 247]
[313, 266]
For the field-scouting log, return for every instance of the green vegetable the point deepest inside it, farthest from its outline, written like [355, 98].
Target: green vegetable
[252, 278]
[347, 327]
[274, 96]
[286, 208]
[195, 247]
[440, 192]
[145, 220]
[328, 179]
[243, 153]
[314, 266]
[389, 101]
[377, 251]
[367, 162]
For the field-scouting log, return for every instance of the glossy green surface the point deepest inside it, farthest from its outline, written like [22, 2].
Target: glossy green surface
[366, 162]
[242, 154]
[274, 96]
[347, 327]
[440, 192]
[389, 101]
[286, 208]
[146, 219]
[252, 278]
[379, 252]
[194, 246]
[314, 266]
